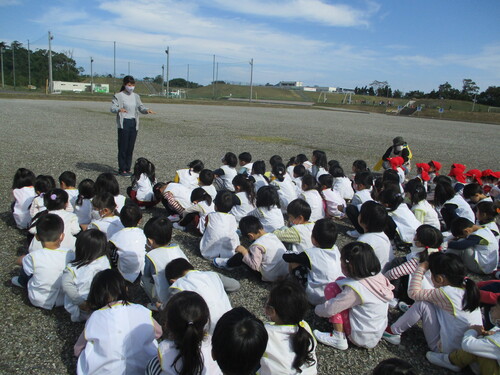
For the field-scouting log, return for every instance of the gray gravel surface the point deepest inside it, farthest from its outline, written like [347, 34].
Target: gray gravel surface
[49, 137]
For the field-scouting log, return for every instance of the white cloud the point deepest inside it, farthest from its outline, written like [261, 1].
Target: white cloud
[7, 3]
[56, 15]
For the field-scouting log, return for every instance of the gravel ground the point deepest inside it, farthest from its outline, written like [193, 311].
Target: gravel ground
[49, 137]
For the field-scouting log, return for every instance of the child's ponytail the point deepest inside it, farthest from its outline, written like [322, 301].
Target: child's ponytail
[246, 184]
[184, 321]
[279, 171]
[303, 347]
[472, 295]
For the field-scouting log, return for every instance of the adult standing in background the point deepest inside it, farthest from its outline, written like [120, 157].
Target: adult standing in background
[399, 148]
[127, 105]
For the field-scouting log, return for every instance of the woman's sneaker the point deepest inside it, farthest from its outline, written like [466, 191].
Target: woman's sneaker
[334, 339]
[441, 360]
[391, 337]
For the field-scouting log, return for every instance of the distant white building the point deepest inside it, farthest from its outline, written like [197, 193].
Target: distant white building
[290, 84]
[60, 86]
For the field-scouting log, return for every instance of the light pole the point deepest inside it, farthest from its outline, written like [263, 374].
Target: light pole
[13, 65]
[167, 51]
[29, 64]
[91, 76]
[1, 58]
[162, 79]
[51, 83]
[251, 79]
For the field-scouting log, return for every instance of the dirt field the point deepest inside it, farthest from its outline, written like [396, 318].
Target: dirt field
[50, 137]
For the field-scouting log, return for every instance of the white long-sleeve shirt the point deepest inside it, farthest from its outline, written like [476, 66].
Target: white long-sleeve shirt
[482, 346]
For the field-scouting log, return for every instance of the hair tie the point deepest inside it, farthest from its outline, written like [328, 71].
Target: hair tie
[190, 323]
[346, 260]
[426, 247]
[465, 281]
[302, 324]
[440, 248]
[53, 197]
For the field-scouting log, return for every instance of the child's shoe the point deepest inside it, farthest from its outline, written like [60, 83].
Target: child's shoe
[221, 263]
[403, 306]
[391, 337]
[15, 282]
[353, 233]
[334, 339]
[179, 227]
[174, 218]
[441, 360]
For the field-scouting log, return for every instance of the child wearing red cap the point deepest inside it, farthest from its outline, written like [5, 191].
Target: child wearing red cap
[397, 165]
[490, 182]
[423, 174]
[457, 173]
[474, 175]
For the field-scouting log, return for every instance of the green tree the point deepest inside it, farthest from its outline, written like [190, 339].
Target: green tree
[446, 91]
[469, 88]
[491, 96]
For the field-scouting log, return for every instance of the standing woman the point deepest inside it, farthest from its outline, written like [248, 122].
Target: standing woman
[127, 105]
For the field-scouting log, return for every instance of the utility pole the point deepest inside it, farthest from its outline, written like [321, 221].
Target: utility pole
[13, 65]
[91, 76]
[162, 79]
[1, 58]
[167, 51]
[213, 79]
[114, 66]
[216, 79]
[187, 81]
[51, 83]
[29, 64]
[251, 79]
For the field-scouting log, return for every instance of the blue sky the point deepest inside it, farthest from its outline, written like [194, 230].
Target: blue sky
[411, 45]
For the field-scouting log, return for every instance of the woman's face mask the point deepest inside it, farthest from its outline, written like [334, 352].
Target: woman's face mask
[398, 148]
[130, 89]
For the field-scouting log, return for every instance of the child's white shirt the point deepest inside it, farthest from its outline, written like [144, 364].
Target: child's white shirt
[333, 199]
[144, 188]
[463, 208]
[482, 346]
[71, 228]
[120, 202]
[227, 177]
[260, 181]
[287, 191]
[72, 197]
[380, 244]
[84, 211]
[37, 205]
[344, 187]
[272, 267]
[486, 252]
[130, 243]
[245, 169]
[220, 238]
[188, 178]
[426, 214]
[316, 202]
[325, 268]
[120, 340]
[46, 267]
[279, 354]
[244, 208]
[271, 219]
[406, 222]
[181, 193]
[23, 198]
[360, 197]
[211, 190]
[107, 225]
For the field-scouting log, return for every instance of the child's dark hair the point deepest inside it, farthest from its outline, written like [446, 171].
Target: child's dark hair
[259, 167]
[230, 159]
[275, 159]
[459, 224]
[320, 159]
[90, 245]
[68, 177]
[104, 200]
[299, 207]
[196, 165]
[390, 175]
[374, 216]
[360, 166]
[85, 191]
[245, 157]
[430, 237]
[127, 80]
[55, 199]
[22, 178]
[206, 177]
[44, 183]
[267, 196]
[488, 209]
[451, 266]
[360, 260]
[224, 201]
[443, 192]
[239, 342]
[177, 268]
[107, 182]
[442, 179]
[391, 197]
[184, 320]
[250, 224]
[279, 171]
[336, 171]
[143, 165]
[159, 229]
[289, 301]
[107, 286]
[333, 163]
[301, 158]
[49, 228]
[471, 190]
[308, 182]
[364, 178]
[325, 233]
[299, 170]
[200, 194]
[416, 190]
[326, 180]
[130, 215]
[394, 366]
[246, 184]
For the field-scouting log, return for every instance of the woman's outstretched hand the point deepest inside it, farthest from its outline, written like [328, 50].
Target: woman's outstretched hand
[151, 112]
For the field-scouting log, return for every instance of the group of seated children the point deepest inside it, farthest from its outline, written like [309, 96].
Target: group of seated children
[86, 245]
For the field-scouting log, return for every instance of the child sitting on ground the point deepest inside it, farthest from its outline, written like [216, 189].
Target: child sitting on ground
[341, 183]
[196, 214]
[158, 231]
[268, 209]
[42, 269]
[287, 190]
[83, 204]
[43, 184]
[421, 208]
[244, 197]
[24, 193]
[245, 163]
[107, 183]
[333, 200]
[316, 267]
[225, 174]
[356, 305]
[206, 181]
[105, 215]
[363, 182]
[143, 180]
[67, 182]
[475, 245]
[264, 255]
[128, 246]
[220, 237]
[311, 195]
[175, 198]
[474, 193]
[189, 176]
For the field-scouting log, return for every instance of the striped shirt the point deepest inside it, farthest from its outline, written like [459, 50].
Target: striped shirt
[435, 296]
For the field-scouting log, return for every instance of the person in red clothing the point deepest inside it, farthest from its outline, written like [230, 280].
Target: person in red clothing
[489, 291]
